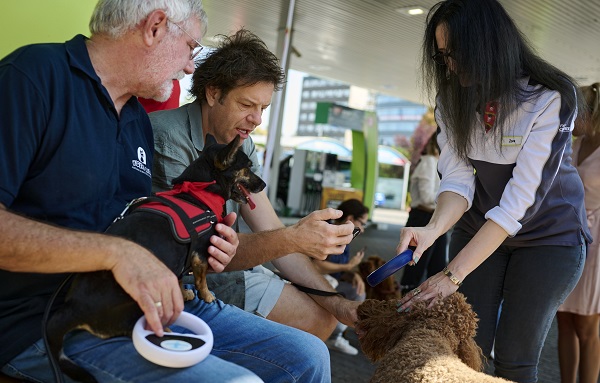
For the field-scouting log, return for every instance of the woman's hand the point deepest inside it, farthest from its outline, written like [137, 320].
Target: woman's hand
[421, 238]
[437, 287]
[356, 260]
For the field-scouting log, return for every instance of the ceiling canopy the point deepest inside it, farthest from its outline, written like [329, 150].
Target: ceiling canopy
[375, 45]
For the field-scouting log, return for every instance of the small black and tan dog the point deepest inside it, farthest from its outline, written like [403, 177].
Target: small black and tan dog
[96, 303]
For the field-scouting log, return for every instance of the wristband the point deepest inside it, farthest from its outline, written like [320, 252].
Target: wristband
[452, 277]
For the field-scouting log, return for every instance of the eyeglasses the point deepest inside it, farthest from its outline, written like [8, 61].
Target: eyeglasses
[362, 223]
[194, 51]
[441, 58]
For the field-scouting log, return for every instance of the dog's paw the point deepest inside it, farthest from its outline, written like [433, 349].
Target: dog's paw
[188, 295]
[207, 297]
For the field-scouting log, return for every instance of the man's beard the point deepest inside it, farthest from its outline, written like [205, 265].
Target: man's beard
[167, 88]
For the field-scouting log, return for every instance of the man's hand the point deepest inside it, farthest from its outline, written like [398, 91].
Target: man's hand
[150, 283]
[224, 245]
[358, 284]
[154, 287]
[315, 237]
[345, 311]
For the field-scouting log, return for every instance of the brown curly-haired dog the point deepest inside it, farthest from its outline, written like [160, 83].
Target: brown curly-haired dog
[422, 345]
[387, 289]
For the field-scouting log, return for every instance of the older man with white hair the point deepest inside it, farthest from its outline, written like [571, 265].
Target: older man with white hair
[75, 147]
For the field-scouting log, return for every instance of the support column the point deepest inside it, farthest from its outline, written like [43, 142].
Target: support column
[273, 149]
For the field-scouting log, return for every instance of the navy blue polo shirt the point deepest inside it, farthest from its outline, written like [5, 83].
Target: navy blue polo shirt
[66, 158]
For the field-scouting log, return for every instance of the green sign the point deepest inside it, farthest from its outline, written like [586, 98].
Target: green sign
[339, 116]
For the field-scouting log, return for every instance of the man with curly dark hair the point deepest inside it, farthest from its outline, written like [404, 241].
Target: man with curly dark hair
[232, 87]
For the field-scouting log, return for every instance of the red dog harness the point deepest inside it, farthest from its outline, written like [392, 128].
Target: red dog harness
[190, 209]
[186, 217]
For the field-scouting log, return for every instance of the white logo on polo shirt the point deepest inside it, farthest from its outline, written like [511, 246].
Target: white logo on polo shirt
[142, 155]
[140, 163]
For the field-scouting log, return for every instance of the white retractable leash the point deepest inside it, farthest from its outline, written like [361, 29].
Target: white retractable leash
[174, 349]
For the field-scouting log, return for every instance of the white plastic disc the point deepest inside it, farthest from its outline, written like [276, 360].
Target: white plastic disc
[174, 349]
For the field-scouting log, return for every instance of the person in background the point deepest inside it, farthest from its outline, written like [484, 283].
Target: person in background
[578, 317]
[424, 185]
[507, 182]
[151, 105]
[232, 87]
[75, 147]
[343, 269]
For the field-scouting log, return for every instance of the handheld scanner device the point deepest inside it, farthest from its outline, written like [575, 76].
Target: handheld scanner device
[174, 349]
[390, 267]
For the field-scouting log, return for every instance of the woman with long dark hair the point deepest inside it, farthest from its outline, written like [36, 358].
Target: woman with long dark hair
[508, 185]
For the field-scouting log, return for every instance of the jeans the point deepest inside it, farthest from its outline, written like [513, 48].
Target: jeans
[530, 283]
[246, 348]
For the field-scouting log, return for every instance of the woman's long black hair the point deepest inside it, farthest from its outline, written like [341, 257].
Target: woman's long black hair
[490, 53]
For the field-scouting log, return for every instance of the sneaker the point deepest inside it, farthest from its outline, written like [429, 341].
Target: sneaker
[341, 344]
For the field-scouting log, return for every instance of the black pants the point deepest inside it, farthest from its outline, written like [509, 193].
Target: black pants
[433, 259]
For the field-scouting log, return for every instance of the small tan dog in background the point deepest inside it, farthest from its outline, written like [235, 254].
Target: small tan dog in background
[422, 345]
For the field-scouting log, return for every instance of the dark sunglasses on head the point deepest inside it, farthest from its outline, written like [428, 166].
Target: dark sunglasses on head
[441, 57]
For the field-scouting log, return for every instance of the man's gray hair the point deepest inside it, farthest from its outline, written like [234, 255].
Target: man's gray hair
[115, 17]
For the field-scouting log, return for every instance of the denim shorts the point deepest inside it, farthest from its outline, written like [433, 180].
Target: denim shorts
[256, 290]
[263, 289]
[516, 292]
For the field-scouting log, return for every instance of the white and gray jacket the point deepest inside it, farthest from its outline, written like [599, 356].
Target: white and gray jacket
[529, 187]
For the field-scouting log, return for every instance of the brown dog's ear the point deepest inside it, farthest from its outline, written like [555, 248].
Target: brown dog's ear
[226, 156]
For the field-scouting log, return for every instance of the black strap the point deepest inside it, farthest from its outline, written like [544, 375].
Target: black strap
[312, 291]
[56, 371]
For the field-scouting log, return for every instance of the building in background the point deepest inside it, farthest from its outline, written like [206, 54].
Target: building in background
[316, 90]
[397, 118]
